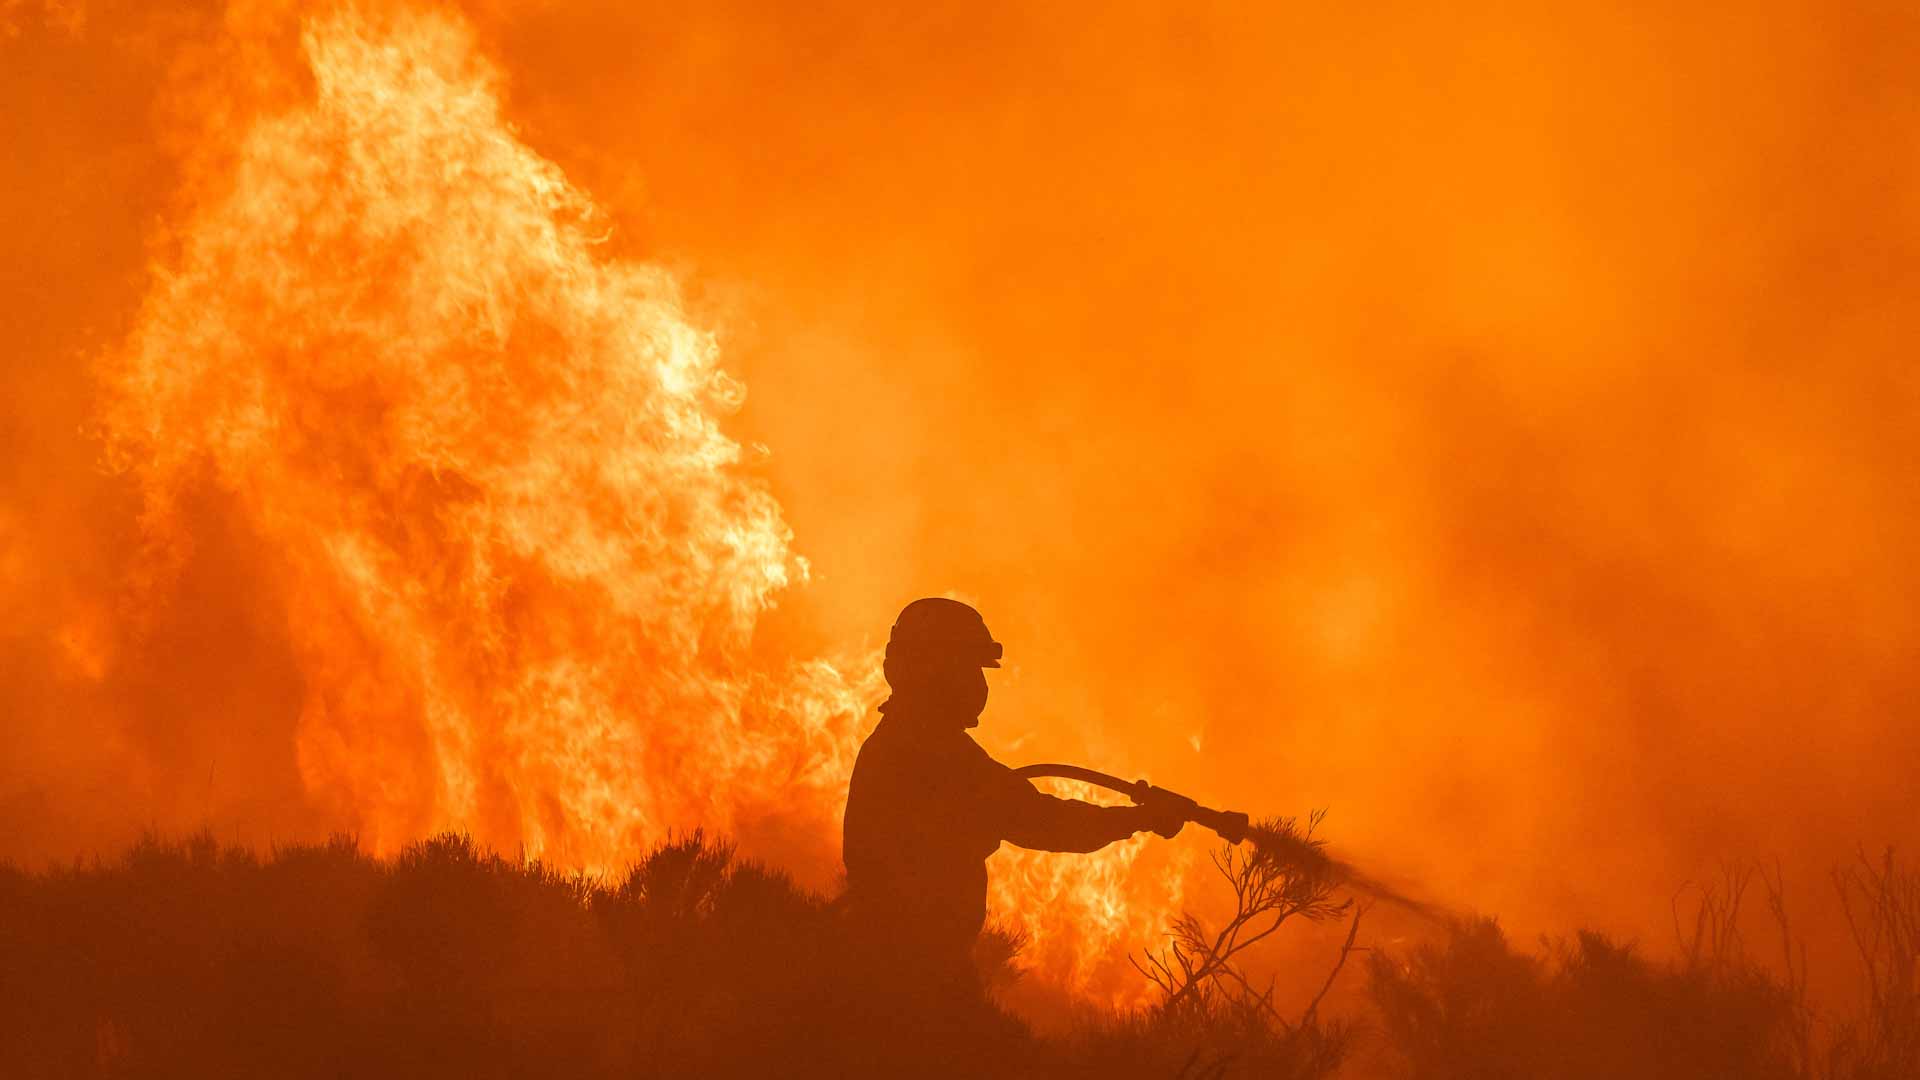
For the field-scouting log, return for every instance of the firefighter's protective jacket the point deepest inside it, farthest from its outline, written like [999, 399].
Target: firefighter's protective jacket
[925, 808]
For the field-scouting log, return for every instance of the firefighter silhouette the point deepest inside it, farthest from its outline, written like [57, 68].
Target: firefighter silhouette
[927, 805]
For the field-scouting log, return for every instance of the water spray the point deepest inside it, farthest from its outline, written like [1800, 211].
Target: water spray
[1236, 827]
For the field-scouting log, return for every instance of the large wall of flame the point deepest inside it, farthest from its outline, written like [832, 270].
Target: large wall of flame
[1496, 428]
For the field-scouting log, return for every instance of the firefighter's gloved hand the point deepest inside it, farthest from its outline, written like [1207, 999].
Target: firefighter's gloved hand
[1164, 811]
[1165, 818]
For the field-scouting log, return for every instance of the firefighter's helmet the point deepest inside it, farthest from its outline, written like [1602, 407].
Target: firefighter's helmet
[935, 629]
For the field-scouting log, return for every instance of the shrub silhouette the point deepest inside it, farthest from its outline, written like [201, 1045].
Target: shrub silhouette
[1881, 899]
[1588, 1007]
[189, 959]
[1471, 1006]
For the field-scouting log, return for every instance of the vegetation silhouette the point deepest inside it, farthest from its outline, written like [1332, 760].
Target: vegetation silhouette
[184, 958]
[1588, 1007]
[189, 959]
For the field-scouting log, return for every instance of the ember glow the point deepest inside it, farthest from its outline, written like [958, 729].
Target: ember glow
[1500, 433]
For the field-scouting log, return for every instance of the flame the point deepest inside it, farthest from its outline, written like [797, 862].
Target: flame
[519, 560]
[522, 563]
[1083, 915]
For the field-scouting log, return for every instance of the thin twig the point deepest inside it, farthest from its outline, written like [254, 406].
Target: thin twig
[1353, 931]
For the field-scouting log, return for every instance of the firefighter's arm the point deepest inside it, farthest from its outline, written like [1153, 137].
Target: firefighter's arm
[1031, 819]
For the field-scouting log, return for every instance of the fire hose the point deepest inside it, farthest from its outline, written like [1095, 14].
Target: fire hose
[1235, 827]
[1230, 824]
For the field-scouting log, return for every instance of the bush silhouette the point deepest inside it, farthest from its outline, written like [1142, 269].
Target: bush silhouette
[187, 959]
[1588, 1007]
[193, 960]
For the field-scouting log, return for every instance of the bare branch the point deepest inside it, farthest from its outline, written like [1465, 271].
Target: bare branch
[1271, 883]
[1353, 931]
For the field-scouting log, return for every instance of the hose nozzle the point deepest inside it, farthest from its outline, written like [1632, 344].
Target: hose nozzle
[1230, 824]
